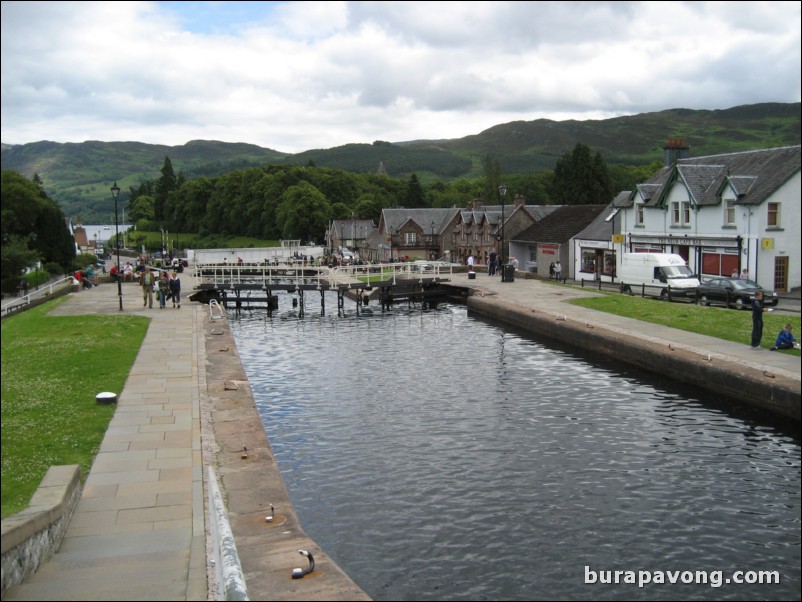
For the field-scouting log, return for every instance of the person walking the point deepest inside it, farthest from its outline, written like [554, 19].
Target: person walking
[146, 282]
[491, 264]
[757, 319]
[470, 263]
[164, 288]
[558, 270]
[175, 290]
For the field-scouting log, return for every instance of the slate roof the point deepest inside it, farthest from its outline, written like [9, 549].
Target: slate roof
[393, 219]
[753, 175]
[562, 224]
[599, 228]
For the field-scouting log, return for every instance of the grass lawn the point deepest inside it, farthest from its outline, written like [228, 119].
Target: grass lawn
[52, 369]
[722, 323]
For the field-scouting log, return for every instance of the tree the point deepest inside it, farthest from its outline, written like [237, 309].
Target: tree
[166, 184]
[415, 197]
[303, 213]
[580, 179]
[33, 228]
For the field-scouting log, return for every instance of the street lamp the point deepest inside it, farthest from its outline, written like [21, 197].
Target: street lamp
[502, 191]
[115, 192]
[434, 248]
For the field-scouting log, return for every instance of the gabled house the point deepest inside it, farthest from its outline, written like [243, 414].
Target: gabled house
[722, 214]
[423, 233]
[350, 234]
[479, 230]
[550, 239]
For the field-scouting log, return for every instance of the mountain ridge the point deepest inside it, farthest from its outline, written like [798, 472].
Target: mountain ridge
[78, 174]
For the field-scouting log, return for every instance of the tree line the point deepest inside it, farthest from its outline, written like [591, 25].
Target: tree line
[298, 202]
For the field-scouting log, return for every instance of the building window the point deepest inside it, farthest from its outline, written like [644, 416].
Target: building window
[409, 238]
[639, 214]
[681, 213]
[729, 213]
[773, 217]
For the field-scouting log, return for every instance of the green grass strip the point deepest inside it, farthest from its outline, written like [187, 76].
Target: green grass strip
[719, 322]
[52, 369]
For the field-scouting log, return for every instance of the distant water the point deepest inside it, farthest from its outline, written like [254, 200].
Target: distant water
[438, 457]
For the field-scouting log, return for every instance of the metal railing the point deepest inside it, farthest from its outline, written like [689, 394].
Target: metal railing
[44, 291]
[266, 274]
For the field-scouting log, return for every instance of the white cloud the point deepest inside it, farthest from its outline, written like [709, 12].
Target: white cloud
[298, 75]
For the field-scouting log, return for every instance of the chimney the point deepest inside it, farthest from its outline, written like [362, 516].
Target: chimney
[675, 150]
[519, 200]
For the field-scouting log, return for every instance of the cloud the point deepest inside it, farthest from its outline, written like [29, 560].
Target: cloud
[298, 75]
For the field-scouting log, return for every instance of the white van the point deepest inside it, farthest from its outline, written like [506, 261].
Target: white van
[656, 273]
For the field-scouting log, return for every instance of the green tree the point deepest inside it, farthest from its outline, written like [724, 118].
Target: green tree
[415, 197]
[580, 179]
[142, 208]
[33, 228]
[303, 213]
[167, 183]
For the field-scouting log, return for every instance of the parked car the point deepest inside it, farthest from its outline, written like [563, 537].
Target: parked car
[733, 291]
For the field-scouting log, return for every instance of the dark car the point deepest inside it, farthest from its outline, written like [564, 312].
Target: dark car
[734, 292]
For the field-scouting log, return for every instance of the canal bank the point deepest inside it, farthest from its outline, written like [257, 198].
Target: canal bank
[762, 379]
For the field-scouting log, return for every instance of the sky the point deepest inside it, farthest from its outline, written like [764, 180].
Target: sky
[295, 76]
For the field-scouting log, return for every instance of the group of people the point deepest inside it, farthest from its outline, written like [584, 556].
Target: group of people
[166, 286]
[785, 340]
[492, 263]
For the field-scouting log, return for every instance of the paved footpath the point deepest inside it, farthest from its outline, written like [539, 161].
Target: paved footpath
[138, 532]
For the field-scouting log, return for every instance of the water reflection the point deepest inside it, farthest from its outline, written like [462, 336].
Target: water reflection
[437, 457]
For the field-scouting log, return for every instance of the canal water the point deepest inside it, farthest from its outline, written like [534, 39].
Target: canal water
[435, 456]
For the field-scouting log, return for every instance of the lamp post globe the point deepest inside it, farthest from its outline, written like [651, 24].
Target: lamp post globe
[115, 192]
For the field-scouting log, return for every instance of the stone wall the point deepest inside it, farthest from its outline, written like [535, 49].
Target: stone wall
[32, 536]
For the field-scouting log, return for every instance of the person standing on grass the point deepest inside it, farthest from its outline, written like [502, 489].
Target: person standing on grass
[757, 319]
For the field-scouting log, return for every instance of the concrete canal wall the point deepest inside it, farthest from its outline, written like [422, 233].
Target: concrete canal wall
[750, 386]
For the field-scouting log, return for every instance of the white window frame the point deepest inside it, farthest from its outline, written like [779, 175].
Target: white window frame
[639, 214]
[773, 209]
[729, 213]
[410, 239]
[681, 213]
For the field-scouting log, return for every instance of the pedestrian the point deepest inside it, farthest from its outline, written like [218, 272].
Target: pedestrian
[470, 263]
[146, 282]
[785, 340]
[514, 262]
[551, 271]
[491, 264]
[757, 319]
[164, 289]
[175, 290]
[744, 274]
[558, 270]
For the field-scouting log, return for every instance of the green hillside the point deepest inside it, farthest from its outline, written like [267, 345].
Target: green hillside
[78, 175]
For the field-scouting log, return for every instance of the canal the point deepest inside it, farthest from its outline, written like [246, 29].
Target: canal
[435, 456]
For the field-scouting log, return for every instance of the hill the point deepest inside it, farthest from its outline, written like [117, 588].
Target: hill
[78, 175]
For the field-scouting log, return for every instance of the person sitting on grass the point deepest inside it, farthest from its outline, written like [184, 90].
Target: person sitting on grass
[785, 340]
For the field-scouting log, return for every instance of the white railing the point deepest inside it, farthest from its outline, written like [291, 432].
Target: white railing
[44, 291]
[297, 273]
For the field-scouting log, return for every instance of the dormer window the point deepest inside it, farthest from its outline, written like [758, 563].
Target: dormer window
[729, 213]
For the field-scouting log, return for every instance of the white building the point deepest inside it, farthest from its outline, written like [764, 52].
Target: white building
[722, 213]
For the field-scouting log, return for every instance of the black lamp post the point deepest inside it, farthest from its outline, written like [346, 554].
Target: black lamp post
[115, 192]
[502, 191]
[434, 248]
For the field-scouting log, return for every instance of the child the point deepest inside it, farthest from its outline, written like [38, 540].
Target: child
[785, 340]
